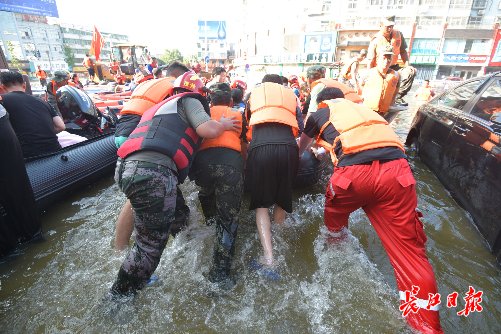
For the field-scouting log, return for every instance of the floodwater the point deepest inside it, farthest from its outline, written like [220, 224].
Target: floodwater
[57, 285]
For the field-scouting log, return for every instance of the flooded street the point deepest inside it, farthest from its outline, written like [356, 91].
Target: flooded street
[58, 285]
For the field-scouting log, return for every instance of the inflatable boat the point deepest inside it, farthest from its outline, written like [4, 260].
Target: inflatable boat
[55, 175]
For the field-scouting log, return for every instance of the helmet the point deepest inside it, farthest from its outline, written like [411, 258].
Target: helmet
[190, 81]
[239, 84]
[61, 75]
[293, 78]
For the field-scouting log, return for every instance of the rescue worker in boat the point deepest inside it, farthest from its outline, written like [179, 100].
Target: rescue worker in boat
[218, 171]
[380, 87]
[61, 78]
[75, 81]
[272, 160]
[424, 93]
[153, 161]
[371, 172]
[390, 37]
[349, 73]
[146, 96]
[35, 122]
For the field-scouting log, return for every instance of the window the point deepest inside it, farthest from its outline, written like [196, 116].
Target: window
[479, 4]
[457, 21]
[490, 102]
[459, 96]
[460, 4]
[467, 46]
[474, 20]
[352, 4]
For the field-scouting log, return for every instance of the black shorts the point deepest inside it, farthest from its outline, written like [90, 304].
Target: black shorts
[270, 172]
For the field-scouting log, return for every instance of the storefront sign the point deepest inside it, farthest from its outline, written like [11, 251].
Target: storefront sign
[319, 42]
[464, 58]
[34, 7]
[423, 59]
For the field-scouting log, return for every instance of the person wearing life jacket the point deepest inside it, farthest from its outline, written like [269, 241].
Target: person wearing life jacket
[42, 76]
[371, 172]
[380, 87]
[424, 93]
[88, 63]
[272, 160]
[218, 171]
[144, 97]
[390, 37]
[61, 78]
[317, 82]
[75, 81]
[152, 162]
[349, 73]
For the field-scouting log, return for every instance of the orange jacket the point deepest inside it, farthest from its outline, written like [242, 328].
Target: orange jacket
[273, 103]
[147, 94]
[348, 92]
[228, 139]
[423, 94]
[378, 91]
[41, 74]
[346, 70]
[359, 128]
[382, 42]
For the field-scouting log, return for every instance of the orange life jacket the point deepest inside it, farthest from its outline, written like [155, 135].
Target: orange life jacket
[359, 128]
[382, 43]
[273, 103]
[41, 74]
[348, 92]
[378, 91]
[423, 94]
[147, 94]
[346, 70]
[88, 62]
[228, 139]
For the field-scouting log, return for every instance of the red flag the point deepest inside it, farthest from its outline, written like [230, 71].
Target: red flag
[97, 43]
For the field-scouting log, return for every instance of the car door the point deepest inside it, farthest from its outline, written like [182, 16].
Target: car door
[472, 159]
[441, 115]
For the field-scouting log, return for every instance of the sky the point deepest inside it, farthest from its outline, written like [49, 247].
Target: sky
[158, 24]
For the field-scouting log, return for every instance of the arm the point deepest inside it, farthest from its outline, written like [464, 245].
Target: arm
[213, 129]
[299, 119]
[371, 54]
[58, 124]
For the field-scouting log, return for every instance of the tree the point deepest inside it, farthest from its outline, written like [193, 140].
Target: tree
[69, 56]
[171, 55]
[14, 61]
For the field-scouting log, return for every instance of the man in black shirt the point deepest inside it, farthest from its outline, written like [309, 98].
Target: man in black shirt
[34, 121]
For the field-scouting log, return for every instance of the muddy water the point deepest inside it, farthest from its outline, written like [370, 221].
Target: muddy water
[57, 285]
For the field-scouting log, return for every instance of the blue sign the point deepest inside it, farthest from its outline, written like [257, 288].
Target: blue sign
[212, 29]
[32, 7]
[206, 59]
[456, 58]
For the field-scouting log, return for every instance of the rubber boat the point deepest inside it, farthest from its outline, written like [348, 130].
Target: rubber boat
[55, 175]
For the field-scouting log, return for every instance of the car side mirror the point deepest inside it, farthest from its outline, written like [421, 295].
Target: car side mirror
[496, 122]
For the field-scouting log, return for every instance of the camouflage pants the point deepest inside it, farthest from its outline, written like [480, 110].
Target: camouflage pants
[221, 196]
[152, 191]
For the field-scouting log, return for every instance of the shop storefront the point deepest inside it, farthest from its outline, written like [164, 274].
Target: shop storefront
[424, 57]
[461, 65]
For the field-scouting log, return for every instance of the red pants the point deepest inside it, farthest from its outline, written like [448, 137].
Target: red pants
[387, 194]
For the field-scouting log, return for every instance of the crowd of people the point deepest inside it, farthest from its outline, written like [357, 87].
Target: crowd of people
[219, 133]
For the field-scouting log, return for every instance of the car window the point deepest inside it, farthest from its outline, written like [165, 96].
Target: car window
[459, 96]
[490, 101]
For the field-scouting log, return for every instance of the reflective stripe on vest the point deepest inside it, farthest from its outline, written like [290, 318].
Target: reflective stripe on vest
[359, 128]
[273, 103]
[395, 42]
[378, 91]
[228, 139]
[147, 94]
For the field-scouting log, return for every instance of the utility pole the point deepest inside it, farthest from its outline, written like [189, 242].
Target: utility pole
[206, 58]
